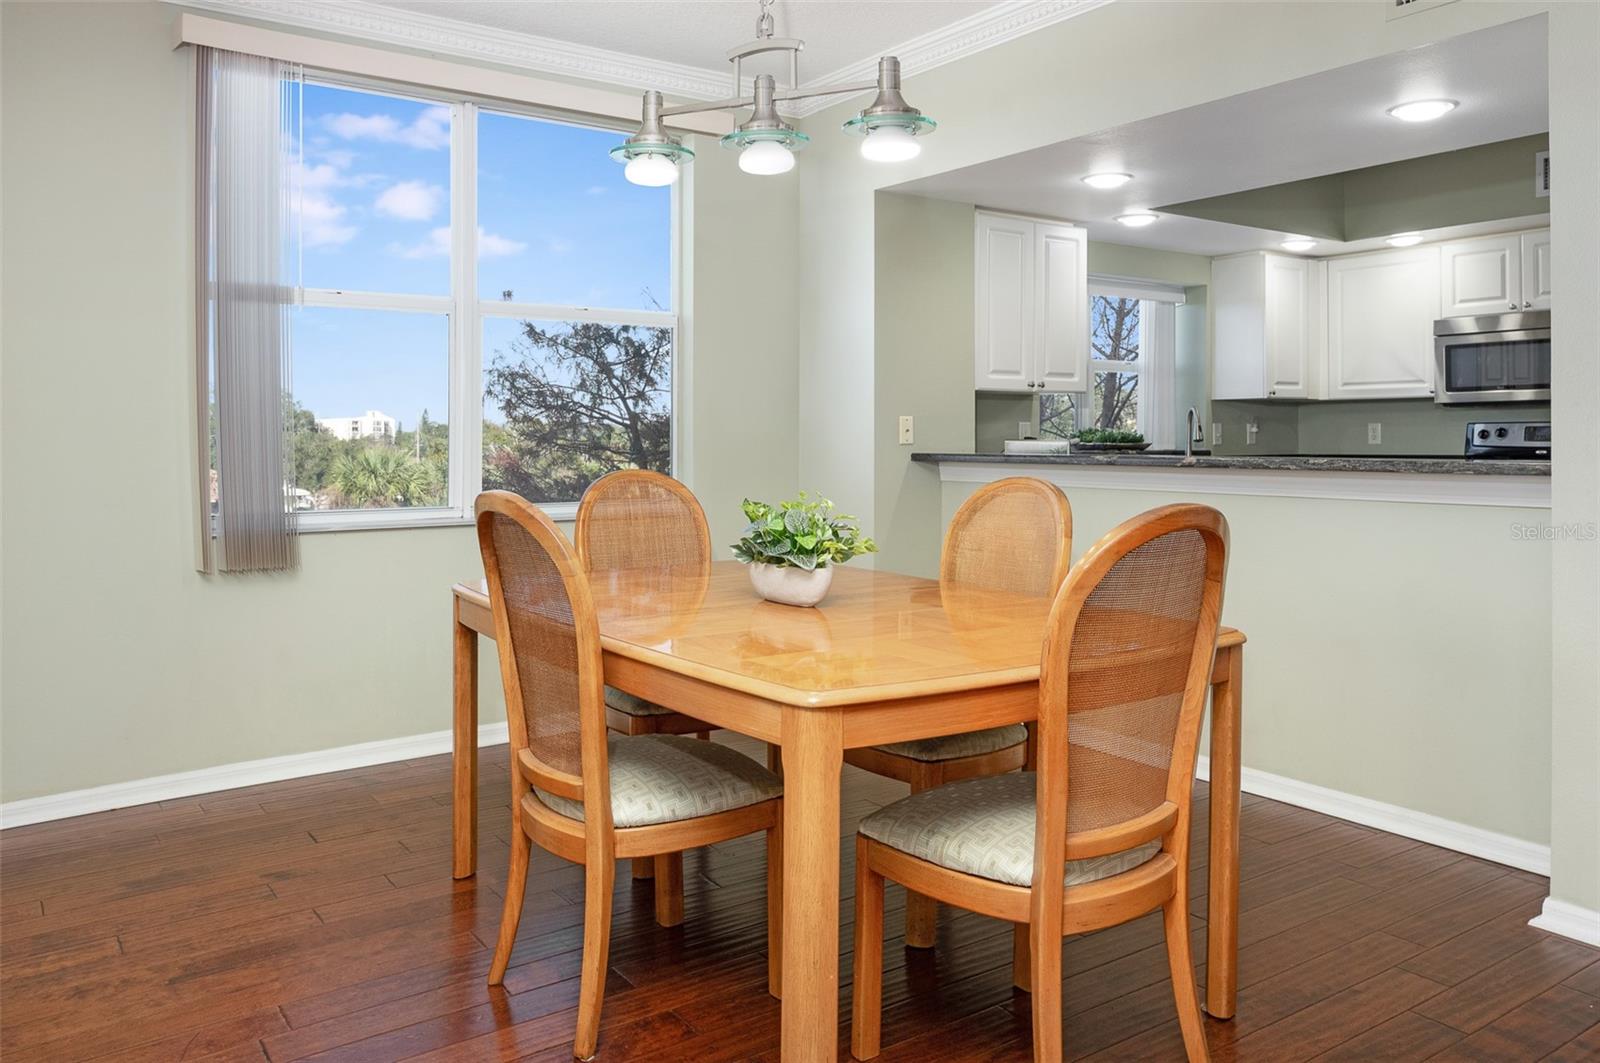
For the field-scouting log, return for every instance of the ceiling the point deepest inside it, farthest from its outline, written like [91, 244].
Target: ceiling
[1323, 124]
[698, 33]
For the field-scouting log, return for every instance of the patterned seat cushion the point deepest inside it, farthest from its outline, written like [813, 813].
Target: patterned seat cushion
[665, 778]
[632, 704]
[984, 827]
[954, 747]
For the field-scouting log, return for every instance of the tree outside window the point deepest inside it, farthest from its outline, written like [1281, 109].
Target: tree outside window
[1114, 368]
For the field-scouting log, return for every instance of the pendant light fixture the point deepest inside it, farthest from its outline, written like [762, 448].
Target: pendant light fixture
[889, 128]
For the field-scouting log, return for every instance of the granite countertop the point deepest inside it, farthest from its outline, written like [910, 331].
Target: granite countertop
[1301, 463]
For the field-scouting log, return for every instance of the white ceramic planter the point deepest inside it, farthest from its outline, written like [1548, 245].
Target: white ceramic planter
[791, 586]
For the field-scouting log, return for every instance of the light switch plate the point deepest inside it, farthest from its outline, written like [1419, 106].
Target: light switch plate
[1023, 428]
[1374, 432]
[905, 431]
[1216, 433]
[1250, 430]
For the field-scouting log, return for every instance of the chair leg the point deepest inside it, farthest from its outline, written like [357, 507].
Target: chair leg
[669, 889]
[775, 759]
[1044, 970]
[644, 867]
[597, 881]
[922, 913]
[704, 736]
[511, 914]
[1021, 972]
[1175, 921]
[866, 1010]
[775, 906]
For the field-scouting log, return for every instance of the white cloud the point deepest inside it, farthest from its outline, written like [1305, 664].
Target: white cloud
[410, 201]
[429, 131]
[437, 245]
[321, 220]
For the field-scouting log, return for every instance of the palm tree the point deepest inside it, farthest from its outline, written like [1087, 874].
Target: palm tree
[381, 476]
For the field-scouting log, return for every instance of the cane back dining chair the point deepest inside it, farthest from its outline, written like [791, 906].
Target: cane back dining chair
[583, 793]
[632, 522]
[1099, 834]
[1012, 535]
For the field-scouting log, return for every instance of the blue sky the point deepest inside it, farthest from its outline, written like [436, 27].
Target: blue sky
[558, 224]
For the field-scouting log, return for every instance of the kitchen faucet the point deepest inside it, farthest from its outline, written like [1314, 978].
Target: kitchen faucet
[1192, 436]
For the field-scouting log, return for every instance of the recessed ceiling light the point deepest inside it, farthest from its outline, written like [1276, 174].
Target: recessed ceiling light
[1298, 243]
[1403, 239]
[1107, 180]
[1422, 110]
[1137, 220]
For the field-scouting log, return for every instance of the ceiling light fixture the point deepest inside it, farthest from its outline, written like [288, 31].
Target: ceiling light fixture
[1298, 243]
[1138, 219]
[889, 128]
[1107, 180]
[1422, 110]
[1403, 239]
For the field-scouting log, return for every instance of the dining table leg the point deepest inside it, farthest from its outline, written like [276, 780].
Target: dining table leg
[464, 750]
[813, 758]
[1222, 918]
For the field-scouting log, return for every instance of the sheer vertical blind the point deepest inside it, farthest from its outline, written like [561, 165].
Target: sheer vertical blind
[247, 109]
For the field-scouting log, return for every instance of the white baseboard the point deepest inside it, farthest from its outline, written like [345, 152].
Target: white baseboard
[1569, 920]
[1435, 830]
[231, 776]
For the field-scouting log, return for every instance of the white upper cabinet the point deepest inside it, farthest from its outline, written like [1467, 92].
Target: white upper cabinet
[1481, 276]
[1495, 275]
[1536, 270]
[1381, 309]
[1268, 326]
[1032, 311]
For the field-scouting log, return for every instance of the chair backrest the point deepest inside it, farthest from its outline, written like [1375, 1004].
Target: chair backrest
[549, 644]
[640, 520]
[1127, 662]
[1011, 535]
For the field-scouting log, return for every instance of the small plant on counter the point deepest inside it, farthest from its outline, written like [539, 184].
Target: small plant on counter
[1108, 435]
[800, 533]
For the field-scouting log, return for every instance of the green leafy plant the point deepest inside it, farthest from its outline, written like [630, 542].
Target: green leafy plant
[803, 533]
[1108, 435]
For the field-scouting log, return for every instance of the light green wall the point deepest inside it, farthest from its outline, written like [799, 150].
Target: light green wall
[1485, 182]
[998, 415]
[120, 661]
[1410, 426]
[1357, 676]
[1148, 263]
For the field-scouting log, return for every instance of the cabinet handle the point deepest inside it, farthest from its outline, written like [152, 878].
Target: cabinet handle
[1030, 383]
[1527, 306]
[1513, 306]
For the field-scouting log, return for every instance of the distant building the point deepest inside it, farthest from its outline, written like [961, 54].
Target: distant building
[370, 425]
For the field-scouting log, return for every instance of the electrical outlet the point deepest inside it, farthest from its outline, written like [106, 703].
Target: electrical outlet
[1023, 428]
[1250, 431]
[1216, 433]
[1374, 432]
[905, 431]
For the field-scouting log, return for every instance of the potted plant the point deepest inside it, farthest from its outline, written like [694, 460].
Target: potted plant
[791, 548]
[1108, 439]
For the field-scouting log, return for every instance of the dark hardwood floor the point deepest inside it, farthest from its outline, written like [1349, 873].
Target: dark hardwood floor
[316, 919]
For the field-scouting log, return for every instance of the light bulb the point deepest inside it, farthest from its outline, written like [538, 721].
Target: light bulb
[1422, 110]
[651, 170]
[766, 158]
[889, 144]
[1137, 220]
[1107, 180]
[1298, 243]
[1403, 239]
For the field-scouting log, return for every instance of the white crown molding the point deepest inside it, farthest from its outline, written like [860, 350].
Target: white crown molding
[377, 23]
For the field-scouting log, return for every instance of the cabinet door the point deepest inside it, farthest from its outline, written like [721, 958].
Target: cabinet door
[1536, 270]
[1380, 324]
[1003, 343]
[1062, 307]
[1481, 276]
[1288, 326]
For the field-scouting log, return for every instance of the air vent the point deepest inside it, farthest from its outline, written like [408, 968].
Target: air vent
[1541, 174]
[1402, 8]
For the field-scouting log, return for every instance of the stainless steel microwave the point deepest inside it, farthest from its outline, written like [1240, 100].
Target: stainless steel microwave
[1499, 358]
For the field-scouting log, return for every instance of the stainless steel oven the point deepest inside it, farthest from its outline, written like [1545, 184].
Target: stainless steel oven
[1500, 358]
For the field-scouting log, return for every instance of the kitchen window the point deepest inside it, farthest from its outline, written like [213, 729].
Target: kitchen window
[484, 302]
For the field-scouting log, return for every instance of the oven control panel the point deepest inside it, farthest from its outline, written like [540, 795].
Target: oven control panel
[1508, 439]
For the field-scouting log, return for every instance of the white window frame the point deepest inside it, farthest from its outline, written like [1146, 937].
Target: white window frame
[1150, 366]
[464, 312]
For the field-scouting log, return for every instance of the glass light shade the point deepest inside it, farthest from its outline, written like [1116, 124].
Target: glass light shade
[1422, 110]
[1403, 239]
[1137, 220]
[652, 171]
[1107, 180]
[889, 144]
[1298, 243]
[766, 158]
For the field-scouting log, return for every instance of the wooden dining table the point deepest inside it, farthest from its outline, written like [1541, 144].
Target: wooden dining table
[885, 658]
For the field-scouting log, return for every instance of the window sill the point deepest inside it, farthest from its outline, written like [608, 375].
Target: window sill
[317, 523]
